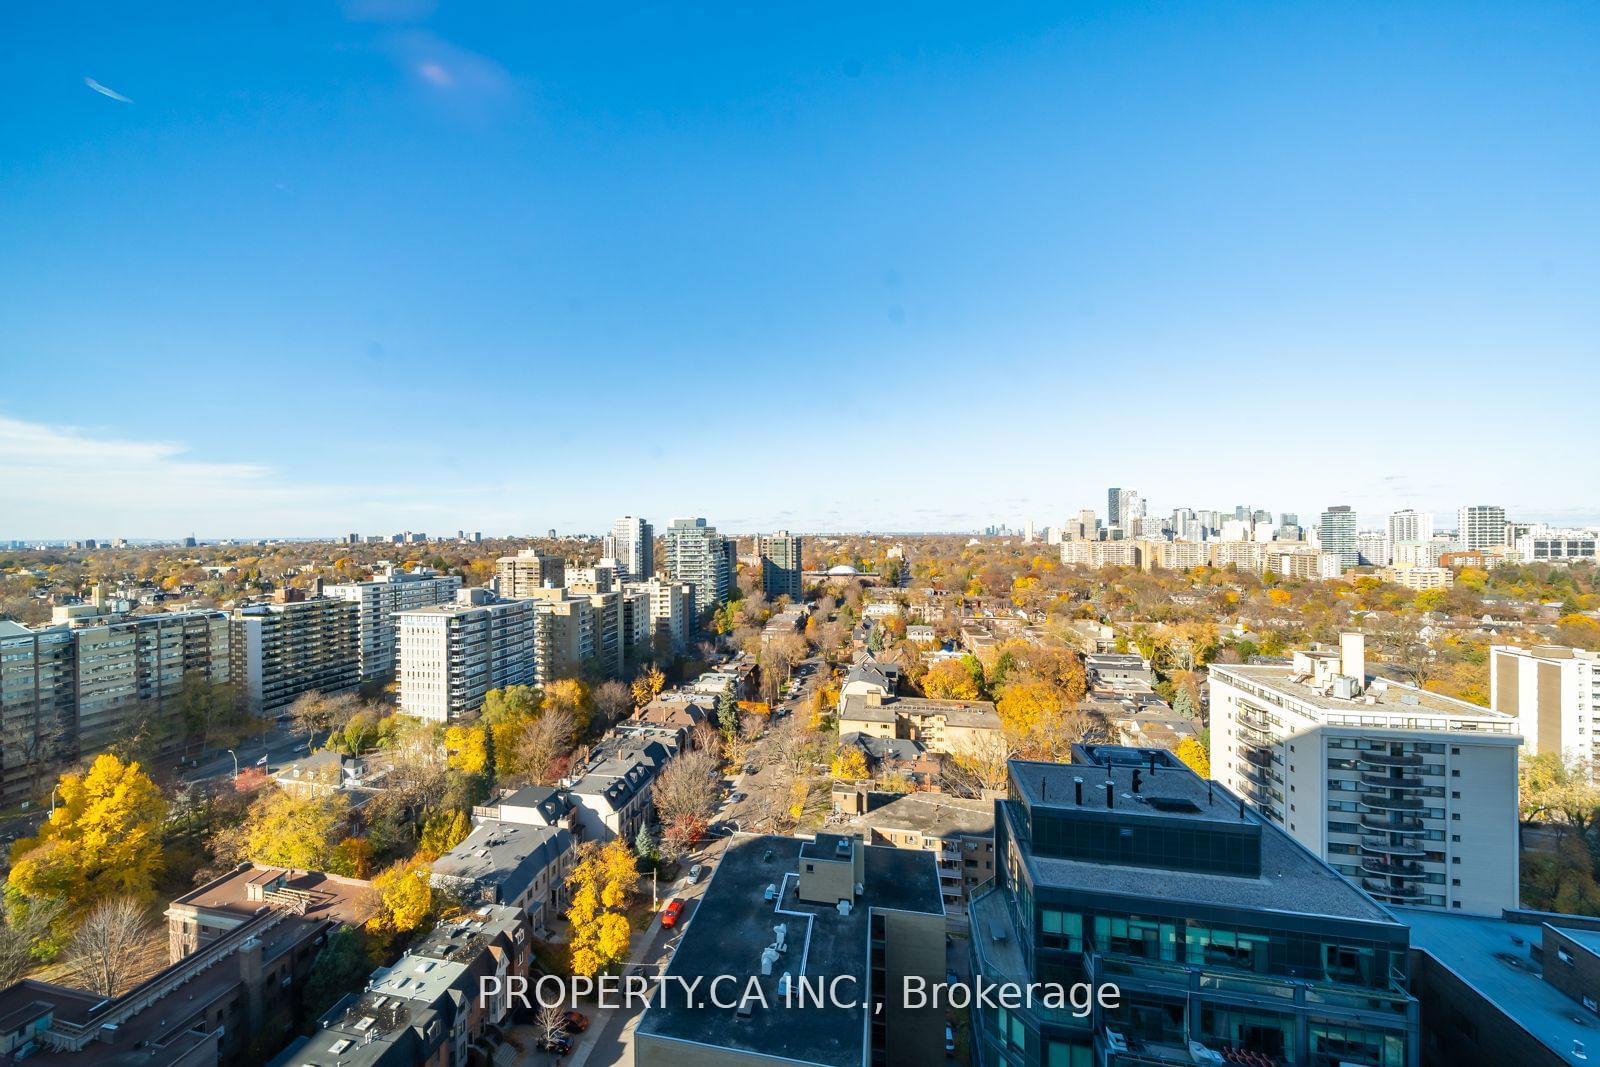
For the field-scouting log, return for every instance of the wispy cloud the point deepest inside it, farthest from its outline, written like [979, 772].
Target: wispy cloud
[447, 67]
[103, 91]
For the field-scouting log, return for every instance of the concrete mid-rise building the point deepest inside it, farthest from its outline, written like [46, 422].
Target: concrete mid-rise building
[779, 554]
[291, 646]
[1541, 544]
[1218, 937]
[671, 610]
[1411, 794]
[1554, 694]
[519, 576]
[1419, 578]
[451, 655]
[781, 911]
[392, 591]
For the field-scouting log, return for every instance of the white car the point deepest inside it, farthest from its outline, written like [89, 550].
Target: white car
[695, 872]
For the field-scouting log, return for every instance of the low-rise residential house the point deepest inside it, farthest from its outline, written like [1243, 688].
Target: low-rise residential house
[513, 864]
[869, 676]
[891, 756]
[959, 830]
[428, 1008]
[944, 726]
[612, 791]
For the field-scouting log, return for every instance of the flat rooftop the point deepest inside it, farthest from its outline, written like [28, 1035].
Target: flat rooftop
[1293, 880]
[329, 897]
[733, 923]
[933, 814]
[1390, 697]
[1480, 951]
[506, 855]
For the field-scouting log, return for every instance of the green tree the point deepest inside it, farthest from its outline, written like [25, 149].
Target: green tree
[339, 968]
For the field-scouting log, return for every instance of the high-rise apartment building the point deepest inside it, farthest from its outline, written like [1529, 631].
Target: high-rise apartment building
[1554, 694]
[1481, 526]
[1409, 525]
[452, 654]
[697, 554]
[127, 663]
[670, 606]
[1338, 534]
[1374, 548]
[81, 685]
[291, 646]
[518, 576]
[631, 543]
[780, 564]
[38, 706]
[1122, 507]
[1224, 939]
[392, 591]
[1411, 794]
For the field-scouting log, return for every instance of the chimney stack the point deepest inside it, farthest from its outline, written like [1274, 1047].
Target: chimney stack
[1077, 785]
[1353, 657]
[1111, 793]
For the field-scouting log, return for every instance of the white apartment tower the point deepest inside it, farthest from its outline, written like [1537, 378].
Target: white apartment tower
[1409, 525]
[1554, 694]
[452, 654]
[392, 591]
[291, 646]
[697, 554]
[1480, 526]
[631, 543]
[1410, 794]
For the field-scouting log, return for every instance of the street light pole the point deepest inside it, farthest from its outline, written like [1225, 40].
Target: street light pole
[53, 799]
[235, 756]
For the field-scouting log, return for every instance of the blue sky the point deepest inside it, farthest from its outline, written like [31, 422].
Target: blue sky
[508, 266]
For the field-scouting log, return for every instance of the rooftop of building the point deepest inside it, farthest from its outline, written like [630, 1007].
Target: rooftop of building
[977, 714]
[551, 803]
[734, 921]
[240, 893]
[1386, 696]
[1490, 954]
[1293, 880]
[889, 748]
[506, 855]
[933, 815]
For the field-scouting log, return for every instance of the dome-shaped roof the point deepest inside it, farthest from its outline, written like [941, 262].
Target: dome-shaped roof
[842, 569]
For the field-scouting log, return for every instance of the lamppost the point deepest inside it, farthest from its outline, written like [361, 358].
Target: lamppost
[235, 756]
[53, 800]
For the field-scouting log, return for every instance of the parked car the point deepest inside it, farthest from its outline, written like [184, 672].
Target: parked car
[556, 1046]
[577, 1022]
[695, 872]
[949, 1041]
[736, 798]
[669, 917]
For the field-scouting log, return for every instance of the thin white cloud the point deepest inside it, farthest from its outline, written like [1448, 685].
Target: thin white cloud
[103, 91]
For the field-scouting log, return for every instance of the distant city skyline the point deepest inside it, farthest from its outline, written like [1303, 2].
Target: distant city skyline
[67, 484]
[375, 265]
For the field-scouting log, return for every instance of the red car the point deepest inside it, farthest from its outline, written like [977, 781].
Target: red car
[577, 1022]
[669, 917]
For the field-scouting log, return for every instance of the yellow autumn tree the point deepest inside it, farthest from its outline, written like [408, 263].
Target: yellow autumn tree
[295, 829]
[572, 696]
[103, 840]
[1193, 754]
[601, 884]
[405, 897]
[950, 679]
[443, 831]
[648, 686]
[850, 765]
[469, 748]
